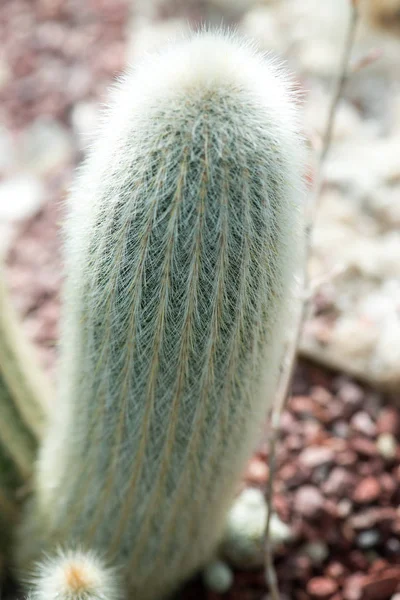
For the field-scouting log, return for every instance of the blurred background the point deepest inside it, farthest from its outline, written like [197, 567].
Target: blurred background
[338, 484]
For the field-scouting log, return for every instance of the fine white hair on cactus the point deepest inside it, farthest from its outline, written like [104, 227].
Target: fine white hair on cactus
[182, 240]
[74, 575]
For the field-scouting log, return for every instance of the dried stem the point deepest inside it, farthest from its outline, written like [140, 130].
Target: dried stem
[289, 361]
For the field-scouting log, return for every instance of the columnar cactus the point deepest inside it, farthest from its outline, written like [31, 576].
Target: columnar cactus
[182, 240]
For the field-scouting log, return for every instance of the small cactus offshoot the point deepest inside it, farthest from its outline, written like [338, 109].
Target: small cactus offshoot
[74, 575]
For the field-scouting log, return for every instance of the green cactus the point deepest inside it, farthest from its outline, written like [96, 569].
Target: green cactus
[182, 240]
[19, 372]
[9, 483]
[23, 394]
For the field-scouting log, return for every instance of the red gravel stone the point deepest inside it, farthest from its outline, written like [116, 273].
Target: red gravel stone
[315, 456]
[363, 423]
[346, 458]
[367, 491]
[388, 421]
[321, 587]
[358, 560]
[378, 565]
[321, 395]
[308, 501]
[381, 587]
[363, 446]
[293, 476]
[336, 570]
[339, 482]
[352, 396]
[388, 485]
[352, 588]
[302, 406]
[370, 517]
[257, 471]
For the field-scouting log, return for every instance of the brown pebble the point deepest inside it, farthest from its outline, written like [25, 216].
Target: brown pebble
[388, 485]
[346, 458]
[302, 405]
[363, 423]
[302, 566]
[257, 471]
[368, 490]
[358, 560]
[368, 518]
[388, 421]
[315, 456]
[308, 501]
[352, 395]
[288, 424]
[339, 482]
[336, 570]
[321, 395]
[322, 587]
[380, 587]
[352, 588]
[363, 446]
[380, 564]
[293, 476]
[294, 442]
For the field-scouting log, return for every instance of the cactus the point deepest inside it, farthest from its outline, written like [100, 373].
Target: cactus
[23, 395]
[74, 575]
[9, 483]
[182, 239]
[19, 373]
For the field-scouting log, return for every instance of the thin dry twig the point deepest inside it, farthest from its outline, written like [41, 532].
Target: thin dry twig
[289, 362]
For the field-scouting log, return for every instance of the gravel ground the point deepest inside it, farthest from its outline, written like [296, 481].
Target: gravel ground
[338, 479]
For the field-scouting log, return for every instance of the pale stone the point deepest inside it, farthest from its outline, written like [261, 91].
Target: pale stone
[20, 197]
[218, 577]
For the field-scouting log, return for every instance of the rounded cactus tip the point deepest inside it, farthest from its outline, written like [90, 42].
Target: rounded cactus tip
[74, 575]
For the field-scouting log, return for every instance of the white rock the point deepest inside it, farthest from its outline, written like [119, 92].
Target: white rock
[20, 197]
[387, 356]
[218, 577]
[317, 551]
[244, 539]
[353, 339]
[387, 445]
[384, 203]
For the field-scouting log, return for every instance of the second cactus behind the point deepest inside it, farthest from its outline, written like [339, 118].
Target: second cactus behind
[183, 237]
